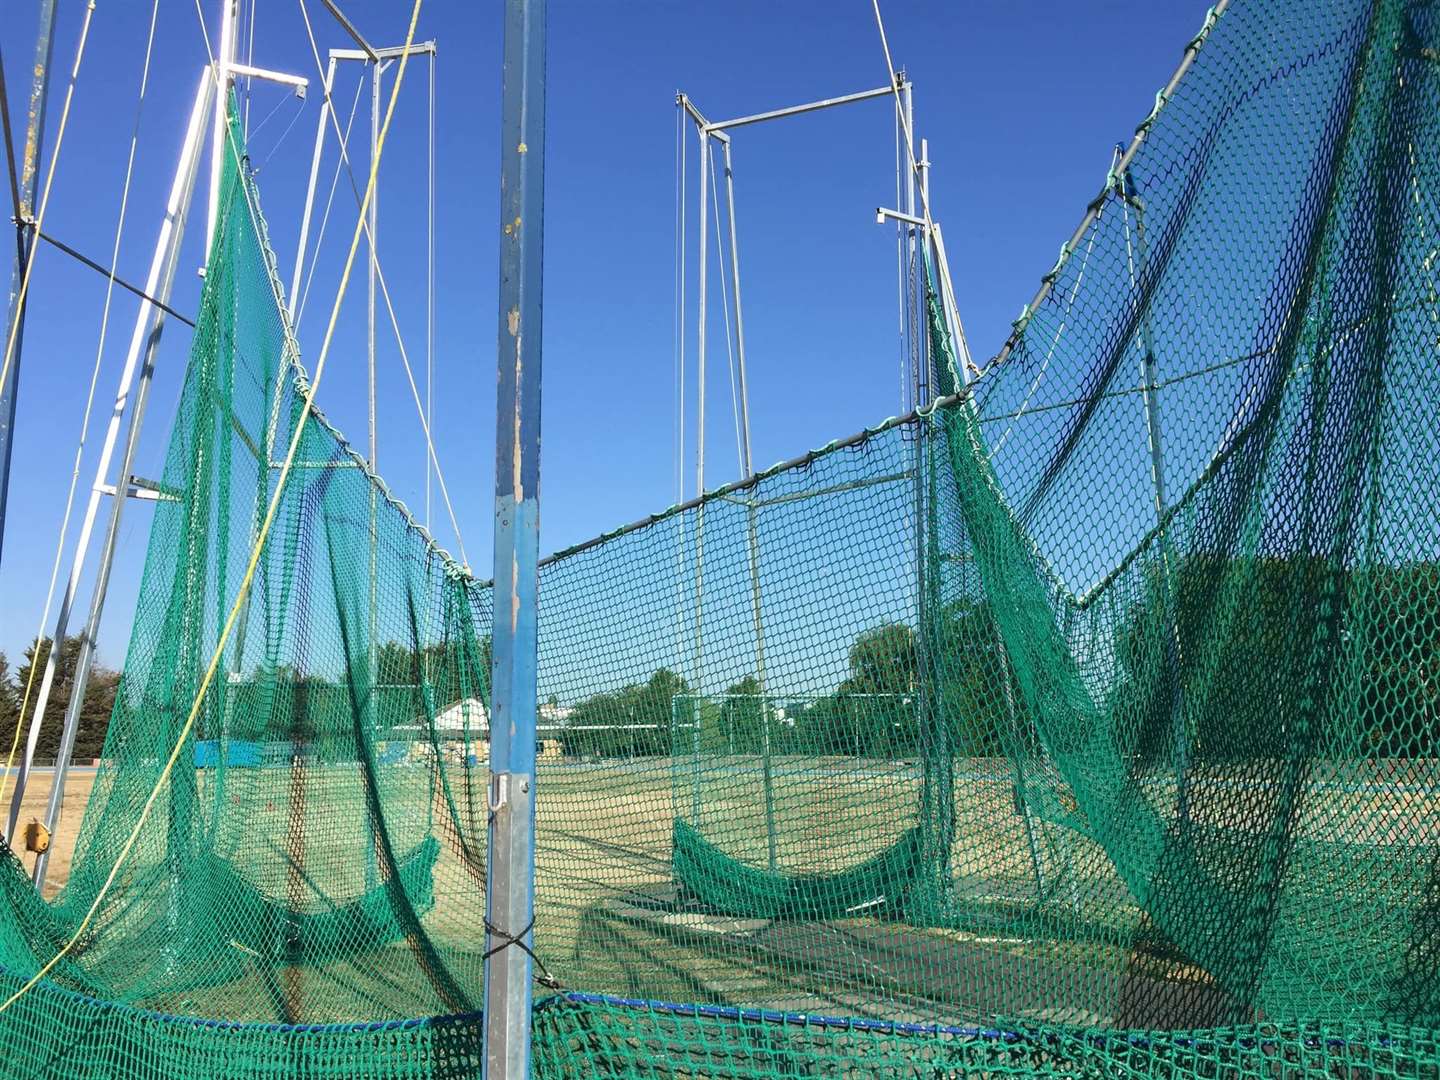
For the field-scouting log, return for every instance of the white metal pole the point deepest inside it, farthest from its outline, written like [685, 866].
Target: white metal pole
[700, 408]
[430, 282]
[747, 468]
[149, 322]
[950, 308]
[795, 110]
[1153, 433]
[374, 256]
[229, 32]
[315, 155]
[917, 349]
[924, 165]
[372, 646]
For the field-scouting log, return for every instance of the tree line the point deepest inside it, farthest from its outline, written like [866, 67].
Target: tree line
[100, 692]
[1216, 656]
[901, 690]
[1221, 658]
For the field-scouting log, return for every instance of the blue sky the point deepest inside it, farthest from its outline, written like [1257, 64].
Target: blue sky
[1021, 101]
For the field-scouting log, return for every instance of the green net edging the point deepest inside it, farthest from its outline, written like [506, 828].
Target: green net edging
[579, 1035]
[593, 1035]
[729, 886]
[73, 1034]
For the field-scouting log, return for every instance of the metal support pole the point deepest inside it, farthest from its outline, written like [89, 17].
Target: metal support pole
[795, 110]
[510, 868]
[747, 468]
[144, 343]
[917, 349]
[700, 409]
[923, 167]
[310, 187]
[951, 309]
[429, 278]
[372, 648]
[936, 755]
[1136, 253]
[739, 317]
[374, 257]
[707, 131]
[1147, 343]
[24, 242]
[229, 37]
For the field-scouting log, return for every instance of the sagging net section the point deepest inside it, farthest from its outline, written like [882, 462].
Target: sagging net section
[316, 857]
[1083, 725]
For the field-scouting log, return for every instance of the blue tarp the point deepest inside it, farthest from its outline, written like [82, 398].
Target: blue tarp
[236, 753]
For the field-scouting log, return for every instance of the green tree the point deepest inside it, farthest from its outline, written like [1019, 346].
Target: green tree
[899, 688]
[871, 715]
[970, 676]
[632, 721]
[100, 691]
[742, 718]
[1225, 643]
[882, 661]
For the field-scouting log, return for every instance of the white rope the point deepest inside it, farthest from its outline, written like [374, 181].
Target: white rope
[900, 115]
[90, 394]
[1050, 352]
[329, 201]
[249, 134]
[433, 457]
[294, 119]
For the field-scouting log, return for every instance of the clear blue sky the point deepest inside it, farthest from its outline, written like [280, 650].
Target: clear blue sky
[1021, 100]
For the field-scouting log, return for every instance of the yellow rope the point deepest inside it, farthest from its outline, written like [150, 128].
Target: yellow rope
[259, 540]
[15, 332]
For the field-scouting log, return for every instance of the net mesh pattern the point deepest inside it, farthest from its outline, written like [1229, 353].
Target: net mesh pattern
[1083, 725]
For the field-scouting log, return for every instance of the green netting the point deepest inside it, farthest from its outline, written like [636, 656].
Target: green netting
[1084, 725]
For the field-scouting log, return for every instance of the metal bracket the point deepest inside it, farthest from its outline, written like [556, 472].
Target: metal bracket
[141, 488]
[299, 82]
[881, 213]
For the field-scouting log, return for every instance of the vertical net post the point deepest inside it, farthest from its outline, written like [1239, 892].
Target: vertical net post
[510, 885]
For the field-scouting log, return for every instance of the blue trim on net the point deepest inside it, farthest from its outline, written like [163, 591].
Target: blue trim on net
[269, 1028]
[899, 1027]
[774, 1016]
[704, 1012]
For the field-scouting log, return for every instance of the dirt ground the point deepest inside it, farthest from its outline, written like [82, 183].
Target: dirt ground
[62, 848]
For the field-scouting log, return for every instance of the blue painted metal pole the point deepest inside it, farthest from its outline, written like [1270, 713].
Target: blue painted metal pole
[29, 173]
[510, 869]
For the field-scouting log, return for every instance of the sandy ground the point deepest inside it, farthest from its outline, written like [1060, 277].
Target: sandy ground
[37, 794]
